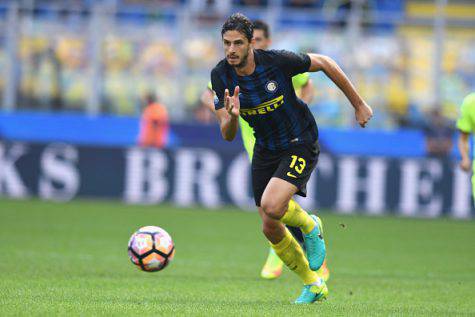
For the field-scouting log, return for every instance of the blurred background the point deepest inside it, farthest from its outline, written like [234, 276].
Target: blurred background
[76, 75]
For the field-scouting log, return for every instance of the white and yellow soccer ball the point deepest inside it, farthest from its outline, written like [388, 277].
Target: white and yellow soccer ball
[151, 248]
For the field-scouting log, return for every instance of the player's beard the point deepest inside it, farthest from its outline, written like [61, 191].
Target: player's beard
[243, 63]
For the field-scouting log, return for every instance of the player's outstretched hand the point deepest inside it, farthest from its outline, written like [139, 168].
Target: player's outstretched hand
[466, 165]
[363, 114]
[231, 103]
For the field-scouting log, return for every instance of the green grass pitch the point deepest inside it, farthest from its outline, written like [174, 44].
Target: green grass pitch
[71, 259]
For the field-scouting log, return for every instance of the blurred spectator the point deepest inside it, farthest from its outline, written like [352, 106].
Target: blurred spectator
[438, 135]
[343, 9]
[56, 74]
[154, 124]
[409, 117]
[203, 115]
[398, 101]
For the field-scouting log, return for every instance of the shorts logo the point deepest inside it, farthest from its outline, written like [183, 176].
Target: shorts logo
[291, 175]
[271, 86]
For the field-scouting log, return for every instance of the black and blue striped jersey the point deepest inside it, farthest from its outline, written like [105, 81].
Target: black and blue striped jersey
[268, 100]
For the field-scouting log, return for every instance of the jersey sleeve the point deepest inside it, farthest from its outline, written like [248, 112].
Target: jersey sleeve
[292, 63]
[218, 88]
[464, 122]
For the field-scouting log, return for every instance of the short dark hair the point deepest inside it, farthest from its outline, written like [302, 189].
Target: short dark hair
[238, 22]
[261, 25]
[150, 97]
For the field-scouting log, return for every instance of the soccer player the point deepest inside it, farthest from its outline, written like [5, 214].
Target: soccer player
[466, 125]
[286, 149]
[303, 85]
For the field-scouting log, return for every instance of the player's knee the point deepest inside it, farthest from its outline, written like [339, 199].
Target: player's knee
[273, 208]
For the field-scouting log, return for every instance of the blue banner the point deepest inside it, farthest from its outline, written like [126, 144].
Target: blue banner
[187, 176]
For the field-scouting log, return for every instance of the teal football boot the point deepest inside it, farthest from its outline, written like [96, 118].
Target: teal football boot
[313, 292]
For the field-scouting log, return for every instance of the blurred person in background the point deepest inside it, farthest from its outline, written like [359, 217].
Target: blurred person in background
[55, 90]
[466, 125]
[438, 133]
[201, 112]
[303, 86]
[154, 124]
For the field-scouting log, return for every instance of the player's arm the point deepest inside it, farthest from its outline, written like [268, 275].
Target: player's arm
[226, 107]
[228, 116]
[307, 92]
[318, 62]
[463, 145]
[207, 99]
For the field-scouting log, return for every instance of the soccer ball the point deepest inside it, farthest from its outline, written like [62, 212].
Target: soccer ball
[151, 248]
